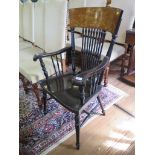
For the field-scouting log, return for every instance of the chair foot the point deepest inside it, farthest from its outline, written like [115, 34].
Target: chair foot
[77, 128]
[105, 84]
[78, 146]
[106, 77]
[99, 101]
[44, 102]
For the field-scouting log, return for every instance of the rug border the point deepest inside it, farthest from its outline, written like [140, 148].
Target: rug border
[65, 138]
[118, 91]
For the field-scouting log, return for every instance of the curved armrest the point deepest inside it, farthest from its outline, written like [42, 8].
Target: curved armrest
[117, 43]
[43, 55]
[81, 78]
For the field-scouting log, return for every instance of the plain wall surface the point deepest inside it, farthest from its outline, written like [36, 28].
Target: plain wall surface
[28, 21]
[39, 26]
[20, 19]
[55, 24]
[128, 6]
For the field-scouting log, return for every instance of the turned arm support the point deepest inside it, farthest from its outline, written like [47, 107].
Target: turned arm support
[81, 78]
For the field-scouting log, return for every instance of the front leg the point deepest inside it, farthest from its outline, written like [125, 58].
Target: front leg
[77, 128]
[45, 101]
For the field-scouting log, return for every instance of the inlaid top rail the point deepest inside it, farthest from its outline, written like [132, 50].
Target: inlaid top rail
[105, 18]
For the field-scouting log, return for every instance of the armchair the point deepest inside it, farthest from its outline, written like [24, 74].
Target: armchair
[76, 88]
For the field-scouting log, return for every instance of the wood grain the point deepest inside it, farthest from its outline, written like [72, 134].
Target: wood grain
[105, 18]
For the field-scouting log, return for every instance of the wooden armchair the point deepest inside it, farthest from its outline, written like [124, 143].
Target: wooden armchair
[75, 89]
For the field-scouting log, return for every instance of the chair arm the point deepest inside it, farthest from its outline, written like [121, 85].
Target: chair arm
[43, 55]
[117, 43]
[81, 78]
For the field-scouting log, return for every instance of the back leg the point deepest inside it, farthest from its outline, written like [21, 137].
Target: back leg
[99, 101]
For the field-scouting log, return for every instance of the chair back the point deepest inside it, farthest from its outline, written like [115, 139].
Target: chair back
[95, 22]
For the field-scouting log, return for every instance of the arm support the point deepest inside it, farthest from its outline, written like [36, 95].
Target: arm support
[80, 79]
[43, 55]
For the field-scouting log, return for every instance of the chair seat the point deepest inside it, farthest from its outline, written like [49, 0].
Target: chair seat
[30, 69]
[67, 94]
[117, 49]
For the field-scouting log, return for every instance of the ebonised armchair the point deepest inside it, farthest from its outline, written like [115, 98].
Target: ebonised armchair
[76, 88]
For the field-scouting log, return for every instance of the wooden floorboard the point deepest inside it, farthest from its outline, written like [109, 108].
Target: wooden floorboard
[112, 134]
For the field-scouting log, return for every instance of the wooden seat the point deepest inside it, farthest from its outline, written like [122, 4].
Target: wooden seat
[75, 89]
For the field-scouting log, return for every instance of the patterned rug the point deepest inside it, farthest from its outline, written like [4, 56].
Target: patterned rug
[42, 133]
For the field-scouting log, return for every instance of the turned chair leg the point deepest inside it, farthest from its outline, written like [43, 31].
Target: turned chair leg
[25, 83]
[123, 60]
[77, 128]
[45, 101]
[99, 101]
[106, 76]
[36, 90]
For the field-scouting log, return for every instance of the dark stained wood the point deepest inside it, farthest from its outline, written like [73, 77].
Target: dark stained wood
[131, 65]
[130, 37]
[77, 128]
[128, 60]
[44, 101]
[106, 73]
[129, 78]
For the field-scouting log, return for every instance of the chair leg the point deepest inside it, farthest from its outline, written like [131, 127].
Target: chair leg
[36, 90]
[123, 65]
[44, 102]
[106, 76]
[77, 128]
[99, 100]
[25, 83]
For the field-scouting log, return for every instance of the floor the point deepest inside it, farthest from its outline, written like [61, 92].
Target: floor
[112, 134]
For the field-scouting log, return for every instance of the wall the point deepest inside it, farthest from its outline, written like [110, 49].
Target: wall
[44, 23]
[28, 21]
